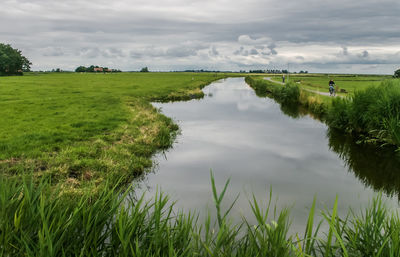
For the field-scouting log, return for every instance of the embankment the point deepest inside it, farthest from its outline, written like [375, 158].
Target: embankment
[81, 130]
[372, 115]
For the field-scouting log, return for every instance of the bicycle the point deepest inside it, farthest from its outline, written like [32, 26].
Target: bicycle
[332, 91]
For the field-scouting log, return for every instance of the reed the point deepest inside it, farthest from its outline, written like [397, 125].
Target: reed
[373, 112]
[38, 220]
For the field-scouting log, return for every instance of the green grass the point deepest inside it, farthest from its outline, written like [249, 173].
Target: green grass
[371, 112]
[319, 82]
[36, 219]
[81, 128]
[294, 101]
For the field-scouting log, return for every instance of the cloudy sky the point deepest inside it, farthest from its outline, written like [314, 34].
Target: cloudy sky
[315, 35]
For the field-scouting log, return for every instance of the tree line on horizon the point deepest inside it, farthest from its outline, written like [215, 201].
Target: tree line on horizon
[12, 62]
[96, 68]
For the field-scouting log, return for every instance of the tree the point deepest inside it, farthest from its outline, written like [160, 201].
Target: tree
[80, 69]
[12, 62]
[397, 73]
[145, 69]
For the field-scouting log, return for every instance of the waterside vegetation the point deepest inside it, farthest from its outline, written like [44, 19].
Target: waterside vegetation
[372, 114]
[36, 220]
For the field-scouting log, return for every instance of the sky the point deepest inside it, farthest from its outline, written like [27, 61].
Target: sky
[338, 36]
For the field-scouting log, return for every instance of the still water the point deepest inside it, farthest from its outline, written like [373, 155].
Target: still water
[253, 142]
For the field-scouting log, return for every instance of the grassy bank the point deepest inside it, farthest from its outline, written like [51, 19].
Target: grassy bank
[291, 95]
[348, 83]
[372, 114]
[35, 220]
[83, 129]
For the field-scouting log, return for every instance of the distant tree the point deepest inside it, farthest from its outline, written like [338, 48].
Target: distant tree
[80, 69]
[12, 62]
[96, 68]
[397, 73]
[90, 68]
[145, 69]
[256, 71]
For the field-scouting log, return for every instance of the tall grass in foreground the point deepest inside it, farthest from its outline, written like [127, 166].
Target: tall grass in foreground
[35, 221]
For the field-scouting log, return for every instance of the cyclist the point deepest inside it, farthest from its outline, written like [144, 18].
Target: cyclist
[332, 88]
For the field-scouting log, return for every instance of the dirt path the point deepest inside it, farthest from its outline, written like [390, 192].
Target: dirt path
[317, 92]
[274, 81]
[309, 90]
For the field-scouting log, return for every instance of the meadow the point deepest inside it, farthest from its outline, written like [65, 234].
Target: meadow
[81, 129]
[68, 142]
[319, 82]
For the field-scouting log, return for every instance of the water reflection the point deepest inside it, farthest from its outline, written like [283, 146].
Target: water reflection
[376, 167]
[249, 140]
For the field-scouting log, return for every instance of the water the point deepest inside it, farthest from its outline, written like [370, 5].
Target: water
[250, 140]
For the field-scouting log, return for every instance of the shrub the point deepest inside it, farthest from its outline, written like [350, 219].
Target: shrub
[339, 113]
[288, 94]
[373, 112]
[397, 73]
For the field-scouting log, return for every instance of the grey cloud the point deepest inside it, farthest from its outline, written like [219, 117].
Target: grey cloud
[95, 52]
[247, 40]
[237, 52]
[177, 51]
[147, 52]
[113, 53]
[109, 30]
[240, 51]
[213, 51]
[364, 54]
[185, 49]
[53, 51]
[90, 52]
[345, 51]
[361, 59]
[272, 47]
[253, 51]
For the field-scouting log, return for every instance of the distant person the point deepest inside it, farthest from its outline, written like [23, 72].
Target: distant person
[331, 88]
[283, 78]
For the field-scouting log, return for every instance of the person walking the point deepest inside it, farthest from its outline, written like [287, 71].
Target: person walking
[331, 88]
[283, 78]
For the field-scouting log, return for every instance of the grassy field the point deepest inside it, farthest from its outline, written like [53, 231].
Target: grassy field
[82, 128]
[319, 82]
